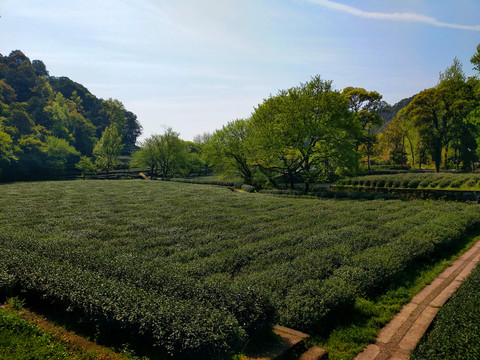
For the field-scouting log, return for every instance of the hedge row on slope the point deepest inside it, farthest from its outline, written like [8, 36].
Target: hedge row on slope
[418, 181]
[198, 270]
[456, 329]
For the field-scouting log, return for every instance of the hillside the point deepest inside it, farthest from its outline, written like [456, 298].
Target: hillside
[47, 122]
[390, 111]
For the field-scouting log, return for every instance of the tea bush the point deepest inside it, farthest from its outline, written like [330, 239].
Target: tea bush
[417, 180]
[455, 333]
[196, 270]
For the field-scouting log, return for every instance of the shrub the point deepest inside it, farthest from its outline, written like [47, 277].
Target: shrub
[199, 280]
[248, 188]
[454, 333]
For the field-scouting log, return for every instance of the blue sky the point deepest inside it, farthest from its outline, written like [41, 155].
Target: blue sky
[195, 65]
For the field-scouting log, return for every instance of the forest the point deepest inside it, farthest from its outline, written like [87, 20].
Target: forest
[48, 124]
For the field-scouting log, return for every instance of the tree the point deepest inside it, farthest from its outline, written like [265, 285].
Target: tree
[402, 134]
[131, 131]
[85, 165]
[226, 151]
[108, 149]
[366, 106]
[60, 118]
[427, 110]
[59, 152]
[475, 59]
[307, 131]
[7, 153]
[148, 155]
[39, 68]
[114, 111]
[165, 153]
[171, 152]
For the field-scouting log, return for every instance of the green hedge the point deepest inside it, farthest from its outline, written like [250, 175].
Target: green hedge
[460, 181]
[197, 270]
[455, 333]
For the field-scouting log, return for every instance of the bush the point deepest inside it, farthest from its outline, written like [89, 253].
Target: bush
[198, 281]
[455, 330]
[248, 188]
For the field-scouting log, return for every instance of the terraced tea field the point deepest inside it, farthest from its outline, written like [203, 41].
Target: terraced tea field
[452, 181]
[197, 270]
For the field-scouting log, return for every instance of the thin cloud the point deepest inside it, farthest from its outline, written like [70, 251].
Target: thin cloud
[411, 17]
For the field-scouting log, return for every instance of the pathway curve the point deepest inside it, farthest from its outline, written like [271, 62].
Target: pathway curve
[400, 336]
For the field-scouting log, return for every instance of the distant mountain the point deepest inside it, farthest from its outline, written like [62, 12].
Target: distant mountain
[390, 111]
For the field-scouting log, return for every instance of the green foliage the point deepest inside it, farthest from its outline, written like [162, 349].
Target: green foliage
[34, 106]
[108, 149]
[365, 107]
[21, 340]
[418, 180]
[455, 333]
[165, 153]
[227, 151]
[85, 165]
[58, 152]
[199, 280]
[304, 130]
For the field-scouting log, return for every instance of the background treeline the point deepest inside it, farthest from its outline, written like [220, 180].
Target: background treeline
[312, 133]
[306, 134]
[48, 124]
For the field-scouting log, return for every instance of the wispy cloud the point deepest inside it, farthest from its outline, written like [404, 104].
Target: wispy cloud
[411, 17]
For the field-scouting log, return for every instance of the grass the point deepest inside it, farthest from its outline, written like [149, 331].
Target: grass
[22, 340]
[26, 335]
[198, 269]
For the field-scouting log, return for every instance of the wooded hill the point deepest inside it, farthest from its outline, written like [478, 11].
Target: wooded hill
[47, 123]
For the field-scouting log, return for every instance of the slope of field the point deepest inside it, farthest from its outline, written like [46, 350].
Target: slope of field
[196, 270]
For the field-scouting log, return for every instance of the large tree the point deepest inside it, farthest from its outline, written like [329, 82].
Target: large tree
[59, 153]
[458, 96]
[165, 153]
[366, 106]
[226, 150]
[306, 130]
[427, 110]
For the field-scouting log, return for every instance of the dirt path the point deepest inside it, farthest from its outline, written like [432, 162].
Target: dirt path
[399, 337]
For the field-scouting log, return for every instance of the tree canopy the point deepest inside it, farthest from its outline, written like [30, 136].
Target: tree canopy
[40, 114]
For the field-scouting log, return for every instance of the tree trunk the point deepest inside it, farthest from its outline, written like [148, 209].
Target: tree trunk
[306, 187]
[445, 158]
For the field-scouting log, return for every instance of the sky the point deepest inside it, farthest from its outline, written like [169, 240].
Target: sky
[196, 65]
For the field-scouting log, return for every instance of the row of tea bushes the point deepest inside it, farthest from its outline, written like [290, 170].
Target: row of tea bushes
[198, 270]
[417, 180]
[455, 333]
[174, 325]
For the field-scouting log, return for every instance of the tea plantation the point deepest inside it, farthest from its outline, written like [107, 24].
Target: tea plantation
[431, 180]
[197, 270]
[455, 333]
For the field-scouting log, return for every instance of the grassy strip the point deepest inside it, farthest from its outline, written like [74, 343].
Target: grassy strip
[360, 327]
[20, 339]
[26, 335]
